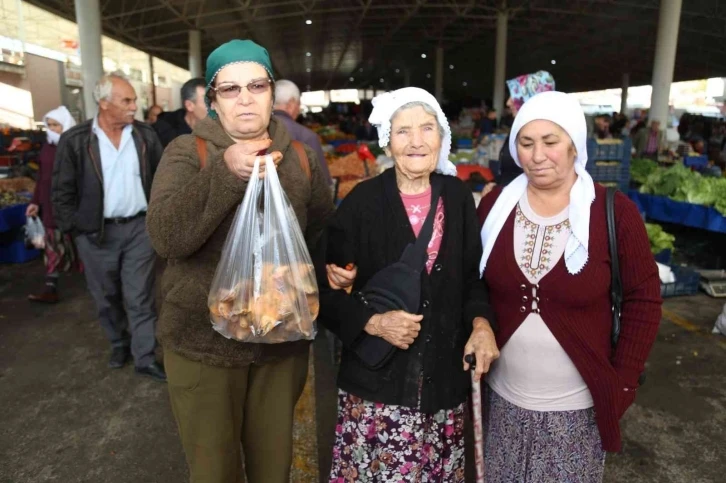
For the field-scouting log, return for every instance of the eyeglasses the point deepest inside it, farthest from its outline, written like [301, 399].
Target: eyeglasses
[230, 91]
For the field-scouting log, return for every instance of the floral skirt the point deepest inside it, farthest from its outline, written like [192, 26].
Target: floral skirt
[523, 446]
[387, 443]
[60, 253]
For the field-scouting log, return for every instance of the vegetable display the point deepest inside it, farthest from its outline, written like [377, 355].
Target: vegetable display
[659, 239]
[681, 184]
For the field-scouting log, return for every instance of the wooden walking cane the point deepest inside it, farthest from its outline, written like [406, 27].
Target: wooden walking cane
[478, 422]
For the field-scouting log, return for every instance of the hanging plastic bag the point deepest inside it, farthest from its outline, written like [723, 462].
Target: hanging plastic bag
[264, 289]
[34, 233]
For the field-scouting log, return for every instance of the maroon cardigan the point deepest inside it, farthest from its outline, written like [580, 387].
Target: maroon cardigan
[577, 308]
[41, 197]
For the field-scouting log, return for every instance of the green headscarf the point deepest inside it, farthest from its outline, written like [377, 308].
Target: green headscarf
[234, 52]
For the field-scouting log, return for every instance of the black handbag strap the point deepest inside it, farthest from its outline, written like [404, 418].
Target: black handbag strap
[616, 284]
[415, 255]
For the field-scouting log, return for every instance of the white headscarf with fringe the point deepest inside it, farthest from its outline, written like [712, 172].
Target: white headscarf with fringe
[385, 105]
[63, 117]
[565, 111]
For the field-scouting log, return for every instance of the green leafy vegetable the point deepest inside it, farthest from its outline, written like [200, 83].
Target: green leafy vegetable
[640, 169]
[659, 239]
[681, 184]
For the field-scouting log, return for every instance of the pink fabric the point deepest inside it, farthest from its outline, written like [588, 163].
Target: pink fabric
[417, 208]
[652, 147]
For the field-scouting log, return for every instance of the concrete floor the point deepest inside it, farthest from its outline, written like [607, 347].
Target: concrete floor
[65, 417]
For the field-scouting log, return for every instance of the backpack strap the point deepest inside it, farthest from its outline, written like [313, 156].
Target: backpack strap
[303, 157]
[201, 152]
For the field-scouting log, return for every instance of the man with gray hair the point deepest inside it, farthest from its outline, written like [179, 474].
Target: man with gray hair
[287, 109]
[102, 179]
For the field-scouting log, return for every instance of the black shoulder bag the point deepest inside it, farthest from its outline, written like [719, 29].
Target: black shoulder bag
[396, 287]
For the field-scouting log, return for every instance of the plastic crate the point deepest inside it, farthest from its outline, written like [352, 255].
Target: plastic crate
[15, 252]
[664, 257]
[609, 151]
[464, 143]
[695, 161]
[687, 283]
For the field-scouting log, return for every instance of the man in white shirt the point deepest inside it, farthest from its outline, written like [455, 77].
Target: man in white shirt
[101, 185]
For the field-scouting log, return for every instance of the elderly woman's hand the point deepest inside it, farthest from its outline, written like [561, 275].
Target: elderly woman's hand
[341, 278]
[483, 345]
[240, 158]
[397, 327]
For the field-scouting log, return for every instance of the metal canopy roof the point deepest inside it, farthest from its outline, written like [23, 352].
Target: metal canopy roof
[373, 42]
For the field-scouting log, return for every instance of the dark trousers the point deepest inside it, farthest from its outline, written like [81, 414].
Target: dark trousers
[217, 408]
[120, 277]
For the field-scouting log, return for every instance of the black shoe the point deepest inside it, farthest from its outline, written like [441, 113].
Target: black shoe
[119, 357]
[154, 371]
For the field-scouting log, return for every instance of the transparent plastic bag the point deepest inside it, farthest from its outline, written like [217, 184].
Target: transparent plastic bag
[34, 233]
[264, 289]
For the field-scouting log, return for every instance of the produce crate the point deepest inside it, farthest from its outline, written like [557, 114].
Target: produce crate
[664, 257]
[609, 163]
[15, 252]
[687, 283]
[464, 143]
[695, 161]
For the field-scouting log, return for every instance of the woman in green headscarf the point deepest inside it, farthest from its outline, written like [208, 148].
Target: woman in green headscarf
[224, 392]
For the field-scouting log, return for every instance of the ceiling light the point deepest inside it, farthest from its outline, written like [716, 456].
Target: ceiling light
[423, 56]
[451, 66]
[464, 84]
[308, 54]
[381, 79]
[398, 70]
[554, 61]
[352, 79]
[428, 76]
[360, 70]
[309, 22]
[308, 69]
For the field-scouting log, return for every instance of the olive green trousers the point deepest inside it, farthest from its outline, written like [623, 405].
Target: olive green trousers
[217, 409]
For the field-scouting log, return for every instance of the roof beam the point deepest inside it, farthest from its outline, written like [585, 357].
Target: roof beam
[351, 35]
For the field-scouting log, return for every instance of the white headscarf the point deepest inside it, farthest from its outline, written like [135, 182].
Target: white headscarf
[386, 104]
[61, 115]
[565, 111]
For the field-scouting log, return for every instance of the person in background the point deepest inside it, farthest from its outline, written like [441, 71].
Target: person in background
[226, 393]
[698, 145]
[620, 121]
[171, 125]
[60, 252]
[366, 132]
[559, 388]
[639, 122]
[153, 113]
[520, 89]
[101, 186]
[488, 123]
[649, 142]
[287, 109]
[602, 127]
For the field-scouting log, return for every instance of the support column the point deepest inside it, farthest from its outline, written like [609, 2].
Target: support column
[195, 54]
[665, 59]
[153, 81]
[624, 93]
[439, 84]
[500, 60]
[88, 18]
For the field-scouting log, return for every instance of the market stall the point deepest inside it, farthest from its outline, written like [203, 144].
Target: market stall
[15, 194]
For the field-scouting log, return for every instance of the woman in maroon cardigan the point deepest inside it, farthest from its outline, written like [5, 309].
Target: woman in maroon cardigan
[559, 388]
[60, 252]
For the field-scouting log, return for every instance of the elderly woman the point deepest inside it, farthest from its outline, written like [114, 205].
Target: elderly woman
[224, 392]
[403, 420]
[559, 387]
[59, 253]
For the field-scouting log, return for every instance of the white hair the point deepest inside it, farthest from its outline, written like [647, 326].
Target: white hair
[427, 109]
[104, 86]
[285, 91]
